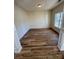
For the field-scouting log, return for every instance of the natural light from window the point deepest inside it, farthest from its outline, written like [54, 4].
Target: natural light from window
[58, 19]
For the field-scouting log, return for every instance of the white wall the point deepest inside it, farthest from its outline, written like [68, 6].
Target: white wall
[21, 21]
[25, 20]
[39, 19]
[22, 26]
[61, 41]
[17, 45]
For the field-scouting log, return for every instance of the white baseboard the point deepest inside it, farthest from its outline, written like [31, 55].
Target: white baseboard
[18, 51]
[60, 48]
[24, 33]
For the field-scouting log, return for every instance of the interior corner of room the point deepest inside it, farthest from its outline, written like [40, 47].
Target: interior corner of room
[25, 20]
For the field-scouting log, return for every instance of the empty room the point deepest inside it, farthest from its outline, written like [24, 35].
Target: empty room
[38, 29]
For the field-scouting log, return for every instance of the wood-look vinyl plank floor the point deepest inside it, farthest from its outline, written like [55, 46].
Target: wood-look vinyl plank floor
[39, 44]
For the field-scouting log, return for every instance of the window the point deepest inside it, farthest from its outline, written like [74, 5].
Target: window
[58, 19]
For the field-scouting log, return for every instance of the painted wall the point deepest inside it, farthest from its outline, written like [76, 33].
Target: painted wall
[21, 21]
[21, 26]
[39, 19]
[58, 8]
[25, 20]
[61, 41]
[17, 45]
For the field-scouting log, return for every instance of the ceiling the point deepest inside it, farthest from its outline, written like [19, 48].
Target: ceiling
[31, 5]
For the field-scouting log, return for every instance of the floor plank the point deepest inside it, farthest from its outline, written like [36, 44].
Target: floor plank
[40, 44]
